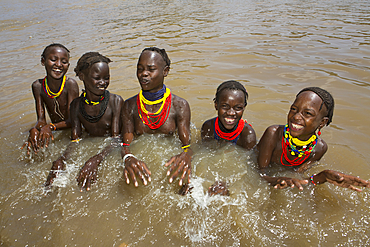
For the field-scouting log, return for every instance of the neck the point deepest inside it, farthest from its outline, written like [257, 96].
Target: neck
[93, 97]
[223, 129]
[155, 95]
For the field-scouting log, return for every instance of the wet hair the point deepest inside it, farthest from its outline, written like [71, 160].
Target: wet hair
[230, 85]
[89, 59]
[161, 52]
[327, 99]
[43, 55]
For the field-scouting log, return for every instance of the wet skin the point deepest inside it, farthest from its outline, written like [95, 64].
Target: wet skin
[230, 109]
[56, 63]
[96, 80]
[304, 118]
[218, 188]
[151, 71]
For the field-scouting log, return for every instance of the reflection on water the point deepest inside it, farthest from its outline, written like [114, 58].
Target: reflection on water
[275, 48]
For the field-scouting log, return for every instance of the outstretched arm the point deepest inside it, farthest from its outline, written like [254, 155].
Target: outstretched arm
[339, 179]
[132, 166]
[32, 141]
[181, 164]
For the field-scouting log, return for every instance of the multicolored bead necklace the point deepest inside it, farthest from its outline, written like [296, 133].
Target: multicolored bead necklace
[47, 90]
[232, 135]
[296, 147]
[158, 118]
[90, 102]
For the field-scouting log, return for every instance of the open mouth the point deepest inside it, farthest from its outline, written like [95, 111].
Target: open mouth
[296, 127]
[229, 121]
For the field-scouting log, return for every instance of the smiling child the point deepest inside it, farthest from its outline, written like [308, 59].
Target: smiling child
[56, 92]
[155, 110]
[97, 110]
[297, 144]
[230, 102]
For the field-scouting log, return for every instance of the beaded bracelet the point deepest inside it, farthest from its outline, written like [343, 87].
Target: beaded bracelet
[185, 148]
[77, 140]
[311, 178]
[52, 125]
[124, 144]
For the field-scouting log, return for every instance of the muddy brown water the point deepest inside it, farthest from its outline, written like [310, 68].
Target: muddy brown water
[275, 48]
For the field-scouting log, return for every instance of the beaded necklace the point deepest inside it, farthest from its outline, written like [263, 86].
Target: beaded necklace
[90, 102]
[296, 147]
[103, 107]
[47, 90]
[233, 134]
[161, 115]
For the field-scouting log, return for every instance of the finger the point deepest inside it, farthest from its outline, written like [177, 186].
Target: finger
[355, 188]
[52, 136]
[132, 175]
[83, 185]
[125, 172]
[298, 184]
[145, 170]
[177, 172]
[24, 144]
[189, 174]
[47, 142]
[88, 184]
[170, 162]
[185, 171]
[140, 175]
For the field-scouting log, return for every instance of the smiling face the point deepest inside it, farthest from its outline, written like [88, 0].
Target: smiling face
[230, 107]
[96, 78]
[56, 62]
[305, 115]
[151, 70]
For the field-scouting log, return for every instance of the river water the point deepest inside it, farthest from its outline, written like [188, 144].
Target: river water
[275, 48]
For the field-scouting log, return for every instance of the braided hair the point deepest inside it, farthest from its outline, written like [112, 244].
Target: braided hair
[327, 99]
[230, 85]
[43, 55]
[89, 59]
[161, 52]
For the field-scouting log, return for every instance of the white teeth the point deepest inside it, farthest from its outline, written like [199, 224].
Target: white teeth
[229, 120]
[296, 126]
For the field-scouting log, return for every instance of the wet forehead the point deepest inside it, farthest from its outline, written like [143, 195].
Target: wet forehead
[56, 50]
[99, 67]
[232, 94]
[308, 100]
[150, 58]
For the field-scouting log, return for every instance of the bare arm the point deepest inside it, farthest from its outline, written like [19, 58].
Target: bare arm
[133, 166]
[181, 163]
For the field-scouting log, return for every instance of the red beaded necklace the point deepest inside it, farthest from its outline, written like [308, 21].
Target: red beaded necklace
[303, 154]
[232, 135]
[152, 120]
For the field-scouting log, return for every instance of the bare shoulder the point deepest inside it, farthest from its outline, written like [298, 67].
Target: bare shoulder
[36, 85]
[179, 102]
[321, 148]
[116, 98]
[271, 135]
[71, 83]
[207, 129]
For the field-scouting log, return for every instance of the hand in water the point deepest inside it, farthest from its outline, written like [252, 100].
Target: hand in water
[32, 141]
[57, 166]
[342, 180]
[284, 182]
[134, 166]
[181, 164]
[44, 136]
[88, 173]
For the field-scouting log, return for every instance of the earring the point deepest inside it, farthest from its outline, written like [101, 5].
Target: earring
[319, 132]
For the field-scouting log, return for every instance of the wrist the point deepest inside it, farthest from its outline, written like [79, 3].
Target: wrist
[52, 126]
[127, 156]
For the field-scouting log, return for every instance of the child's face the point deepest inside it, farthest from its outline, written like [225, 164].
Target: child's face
[56, 62]
[151, 70]
[305, 116]
[96, 78]
[230, 107]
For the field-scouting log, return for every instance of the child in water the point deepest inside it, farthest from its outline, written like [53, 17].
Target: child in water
[56, 92]
[298, 145]
[98, 110]
[230, 102]
[155, 110]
